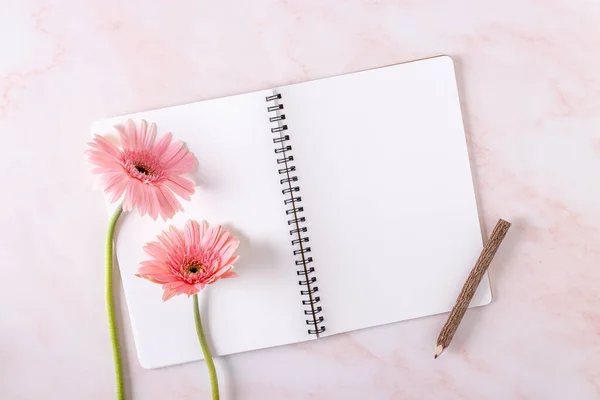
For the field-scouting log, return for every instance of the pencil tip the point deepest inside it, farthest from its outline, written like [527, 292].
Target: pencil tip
[438, 350]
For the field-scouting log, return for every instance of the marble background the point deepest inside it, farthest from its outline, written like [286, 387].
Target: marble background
[529, 77]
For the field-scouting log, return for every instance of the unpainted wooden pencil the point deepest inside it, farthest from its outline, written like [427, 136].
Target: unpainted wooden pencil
[470, 286]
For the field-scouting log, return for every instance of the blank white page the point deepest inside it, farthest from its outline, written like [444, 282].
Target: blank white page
[387, 192]
[238, 186]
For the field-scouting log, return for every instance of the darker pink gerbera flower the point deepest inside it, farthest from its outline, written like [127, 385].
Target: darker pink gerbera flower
[144, 171]
[186, 262]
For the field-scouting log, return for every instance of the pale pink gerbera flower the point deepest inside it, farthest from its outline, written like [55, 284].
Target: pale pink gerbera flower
[186, 262]
[146, 171]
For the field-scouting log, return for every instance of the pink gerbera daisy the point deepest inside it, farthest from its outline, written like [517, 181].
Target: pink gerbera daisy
[186, 262]
[144, 171]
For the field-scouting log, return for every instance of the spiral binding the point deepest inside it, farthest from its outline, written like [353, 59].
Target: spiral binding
[297, 230]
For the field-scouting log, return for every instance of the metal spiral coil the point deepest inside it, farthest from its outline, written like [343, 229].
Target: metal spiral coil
[298, 231]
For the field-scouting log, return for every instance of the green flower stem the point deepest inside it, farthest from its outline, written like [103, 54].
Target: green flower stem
[110, 304]
[214, 383]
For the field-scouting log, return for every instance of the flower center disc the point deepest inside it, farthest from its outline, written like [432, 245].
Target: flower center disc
[142, 170]
[194, 269]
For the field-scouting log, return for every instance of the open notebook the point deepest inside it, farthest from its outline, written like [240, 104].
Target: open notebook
[366, 173]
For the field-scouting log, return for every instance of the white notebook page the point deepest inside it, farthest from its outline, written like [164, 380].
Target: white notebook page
[387, 191]
[239, 188]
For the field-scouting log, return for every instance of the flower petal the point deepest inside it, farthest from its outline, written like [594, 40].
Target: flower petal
[173, 153]
[174, 285]
[203, 229]
[230, 261]
[176, 238]
[168, 294]
[228, 247]
[210, 237]
[163, 143]
[169, 198]
[150, 137]
[143, 201]
[115, 187]
[155, 273]
[102, 144]
[153, 204]
[192, 233]
[130, 131]
[156, 251]
[164, 207]
[128, 200]
[184, 165]
[140, 135]
[104, 166]
[192, 289]
[183, 187]
[222, 271]
[229, 274]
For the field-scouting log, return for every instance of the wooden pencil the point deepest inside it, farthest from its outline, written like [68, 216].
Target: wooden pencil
[470, 286]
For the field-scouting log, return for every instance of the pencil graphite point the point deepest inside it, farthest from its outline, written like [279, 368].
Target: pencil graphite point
[438, 351]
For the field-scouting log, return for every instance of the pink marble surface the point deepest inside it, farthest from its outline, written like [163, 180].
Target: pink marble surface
[529, 74]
